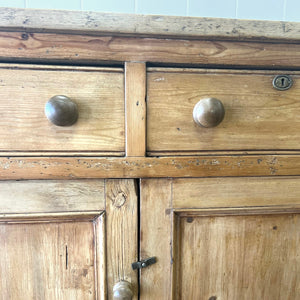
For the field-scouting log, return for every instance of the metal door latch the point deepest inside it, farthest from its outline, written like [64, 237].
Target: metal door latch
[143, 263]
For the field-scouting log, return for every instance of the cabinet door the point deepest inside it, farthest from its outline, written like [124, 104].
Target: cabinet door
[221, 238]
[66, 239]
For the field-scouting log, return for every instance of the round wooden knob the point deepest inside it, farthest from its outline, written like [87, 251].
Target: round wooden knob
[209, 112]
[61, 111]
[122, 291]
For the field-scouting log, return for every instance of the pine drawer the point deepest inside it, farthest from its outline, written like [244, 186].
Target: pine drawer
[258, 117]
[97, 92]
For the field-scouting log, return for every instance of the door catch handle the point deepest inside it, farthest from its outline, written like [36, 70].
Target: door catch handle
[143, 263]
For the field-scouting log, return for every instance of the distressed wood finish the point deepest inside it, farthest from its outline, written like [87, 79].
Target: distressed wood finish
[100, 258]
[55, 196]
[257, 116]
[39, 47]
[239, 257]
[48, 216]
[62, 153]
[135, 97]
[39, 213]
[53, 260]
[156, 238]
[145, 167]
[121, 231]
[52, 239]
[209, 153]
[235, 192]
[199, 238]
[25, 91]
[96, 23]
[228, 232]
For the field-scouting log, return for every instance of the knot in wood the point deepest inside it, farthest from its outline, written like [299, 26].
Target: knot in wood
[120, 200]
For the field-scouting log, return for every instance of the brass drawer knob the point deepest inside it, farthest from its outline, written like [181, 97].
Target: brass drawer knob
[61, 111]
[209, 112]
[122, 291]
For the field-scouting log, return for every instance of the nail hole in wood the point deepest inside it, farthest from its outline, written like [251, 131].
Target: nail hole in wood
[25, 36]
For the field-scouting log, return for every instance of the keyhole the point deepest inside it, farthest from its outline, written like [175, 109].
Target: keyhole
[282, 82]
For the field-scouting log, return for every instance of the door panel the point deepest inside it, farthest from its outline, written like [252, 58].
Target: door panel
[56, 259]
[238, 257]
[225, 244]
[67, 240]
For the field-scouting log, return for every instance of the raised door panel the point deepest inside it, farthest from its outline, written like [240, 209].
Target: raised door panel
[221, 238]
[238, 257]
[54, 259]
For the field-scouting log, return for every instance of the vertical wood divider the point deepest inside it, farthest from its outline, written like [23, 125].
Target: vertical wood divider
[135, 108]
[121, 233]
[156, 233]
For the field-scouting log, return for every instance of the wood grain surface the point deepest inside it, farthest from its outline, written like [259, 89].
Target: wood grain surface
[39, 213]
[140, 167]
[100, 257]
[144, 25]
[121, 233]
[55, 196]
[235, 192]
[257, 116]
[135, 107]
[239, 257]
[218, 208]
[98, 94]
[156, 238]
[229, 250]
[53, 260]
[42, 47]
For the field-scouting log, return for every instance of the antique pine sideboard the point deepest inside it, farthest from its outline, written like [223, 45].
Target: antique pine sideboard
[127, 137]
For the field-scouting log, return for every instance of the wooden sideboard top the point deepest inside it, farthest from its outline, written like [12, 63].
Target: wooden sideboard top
[98, 23]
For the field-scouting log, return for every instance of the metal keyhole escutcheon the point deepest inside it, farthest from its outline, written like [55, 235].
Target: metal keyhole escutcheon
[282, 82]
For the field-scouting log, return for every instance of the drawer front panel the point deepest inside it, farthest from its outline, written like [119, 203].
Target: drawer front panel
[98, 93]
[257, 116]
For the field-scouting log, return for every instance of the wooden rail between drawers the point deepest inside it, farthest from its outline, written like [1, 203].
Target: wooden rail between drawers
[68, 48]
[146, 167]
